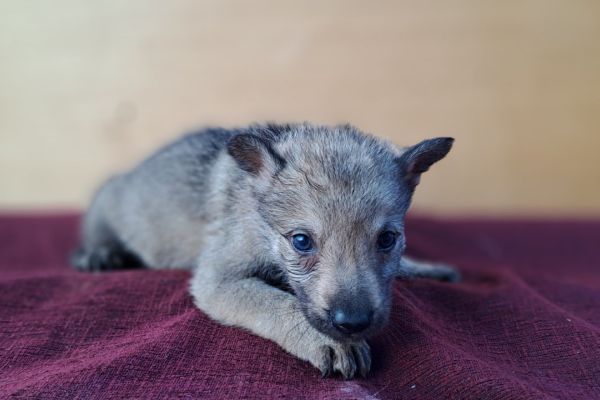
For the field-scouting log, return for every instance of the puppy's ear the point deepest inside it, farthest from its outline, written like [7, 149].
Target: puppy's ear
[254, 154]
[418, 158]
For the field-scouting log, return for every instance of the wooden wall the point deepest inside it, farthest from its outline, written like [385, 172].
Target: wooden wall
[89, 87]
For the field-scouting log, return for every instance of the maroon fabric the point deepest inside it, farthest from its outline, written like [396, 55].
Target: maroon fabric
[525, 323]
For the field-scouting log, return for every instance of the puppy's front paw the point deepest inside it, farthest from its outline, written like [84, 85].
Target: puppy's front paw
[446, 273]
[410, 268]
[327, 354]
[347, 359]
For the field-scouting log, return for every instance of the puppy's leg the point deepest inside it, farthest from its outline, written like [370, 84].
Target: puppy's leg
[101, 249]
[273, 314]
[410, 268]
[107, 257]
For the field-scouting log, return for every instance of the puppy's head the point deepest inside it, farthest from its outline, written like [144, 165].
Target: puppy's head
[335, 201]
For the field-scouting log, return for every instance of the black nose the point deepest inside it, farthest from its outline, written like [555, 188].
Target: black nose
[351, 322]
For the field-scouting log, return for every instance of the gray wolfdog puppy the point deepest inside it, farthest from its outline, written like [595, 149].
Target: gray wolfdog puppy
[294, 232]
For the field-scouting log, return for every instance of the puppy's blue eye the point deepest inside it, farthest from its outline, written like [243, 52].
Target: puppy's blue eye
[386, 240]
[302, 242]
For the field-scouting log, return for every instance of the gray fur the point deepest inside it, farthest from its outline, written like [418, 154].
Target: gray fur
[226, 204]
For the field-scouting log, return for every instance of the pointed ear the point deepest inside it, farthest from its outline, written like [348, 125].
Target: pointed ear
[418, 158]
[254, 154]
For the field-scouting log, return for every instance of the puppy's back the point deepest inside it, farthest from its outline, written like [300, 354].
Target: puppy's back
[157, 210]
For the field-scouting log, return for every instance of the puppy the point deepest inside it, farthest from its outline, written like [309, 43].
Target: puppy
[293, 232]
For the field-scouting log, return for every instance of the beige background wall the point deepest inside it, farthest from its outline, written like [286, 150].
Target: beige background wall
[88, 87]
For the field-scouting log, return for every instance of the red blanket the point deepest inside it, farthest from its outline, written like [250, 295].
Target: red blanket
[525, 323]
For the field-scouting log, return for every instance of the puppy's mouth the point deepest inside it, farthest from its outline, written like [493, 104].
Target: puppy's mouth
[322, 320]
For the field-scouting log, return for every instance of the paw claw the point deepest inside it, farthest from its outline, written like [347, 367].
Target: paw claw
[363, 357]
[326, 367]
[346, 359]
